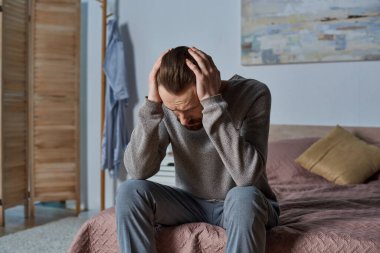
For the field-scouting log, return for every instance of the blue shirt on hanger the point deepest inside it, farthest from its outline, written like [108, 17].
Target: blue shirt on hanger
[115, 134]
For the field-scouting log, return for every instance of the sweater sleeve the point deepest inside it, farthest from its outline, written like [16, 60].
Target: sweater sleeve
[243, 151]
[148, 143]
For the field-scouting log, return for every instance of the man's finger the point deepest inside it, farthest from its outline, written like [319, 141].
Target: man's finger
[205, 56]
[203, 64]
[211, 61]
[193, 67]
[200, 53]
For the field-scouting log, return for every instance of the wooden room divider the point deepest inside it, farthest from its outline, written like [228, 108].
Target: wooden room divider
[14, 117]
[40, 121]
[54, 100]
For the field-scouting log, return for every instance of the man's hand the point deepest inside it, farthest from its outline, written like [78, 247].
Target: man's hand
[208, 81]
[153, 94]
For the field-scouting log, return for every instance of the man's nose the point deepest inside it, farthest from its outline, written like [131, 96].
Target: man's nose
[184, 119]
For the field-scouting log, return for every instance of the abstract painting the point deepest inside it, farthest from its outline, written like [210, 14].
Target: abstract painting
[299, 31]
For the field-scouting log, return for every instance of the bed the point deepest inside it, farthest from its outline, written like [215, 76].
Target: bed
[316, 215]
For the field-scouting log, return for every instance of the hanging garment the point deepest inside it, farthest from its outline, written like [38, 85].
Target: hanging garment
[115, 134]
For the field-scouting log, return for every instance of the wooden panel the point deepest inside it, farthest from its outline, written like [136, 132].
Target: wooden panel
[14, 102]
[55, 107]
[2, 211]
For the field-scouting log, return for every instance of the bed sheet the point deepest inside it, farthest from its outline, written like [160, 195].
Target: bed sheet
[316, 215]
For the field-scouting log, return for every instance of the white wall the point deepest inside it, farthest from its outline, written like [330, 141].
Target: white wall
[318, 94]
[328, 93]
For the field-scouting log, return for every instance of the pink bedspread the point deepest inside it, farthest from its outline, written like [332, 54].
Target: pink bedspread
[316, 216]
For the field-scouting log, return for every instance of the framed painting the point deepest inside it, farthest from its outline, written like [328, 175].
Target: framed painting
[299, 31]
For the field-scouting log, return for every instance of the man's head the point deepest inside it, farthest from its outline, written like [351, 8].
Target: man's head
[174, 75]
[176, 86]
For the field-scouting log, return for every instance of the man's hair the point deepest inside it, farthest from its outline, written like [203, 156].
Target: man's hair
[174, 74]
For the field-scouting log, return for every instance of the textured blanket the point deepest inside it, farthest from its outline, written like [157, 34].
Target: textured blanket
[316, 215]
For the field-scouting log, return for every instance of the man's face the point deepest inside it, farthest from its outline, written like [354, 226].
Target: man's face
[185, 105]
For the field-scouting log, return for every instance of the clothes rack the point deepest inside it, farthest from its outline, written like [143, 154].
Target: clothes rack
[103, 91]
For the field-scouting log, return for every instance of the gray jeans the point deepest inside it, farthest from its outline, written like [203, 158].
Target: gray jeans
[140, 205]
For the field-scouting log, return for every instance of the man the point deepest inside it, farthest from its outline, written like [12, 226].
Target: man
[219, 135]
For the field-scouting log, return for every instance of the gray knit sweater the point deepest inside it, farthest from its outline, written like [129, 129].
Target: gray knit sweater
[230, 150]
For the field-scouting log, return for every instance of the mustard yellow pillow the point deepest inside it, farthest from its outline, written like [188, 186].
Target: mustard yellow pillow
[341, 158]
